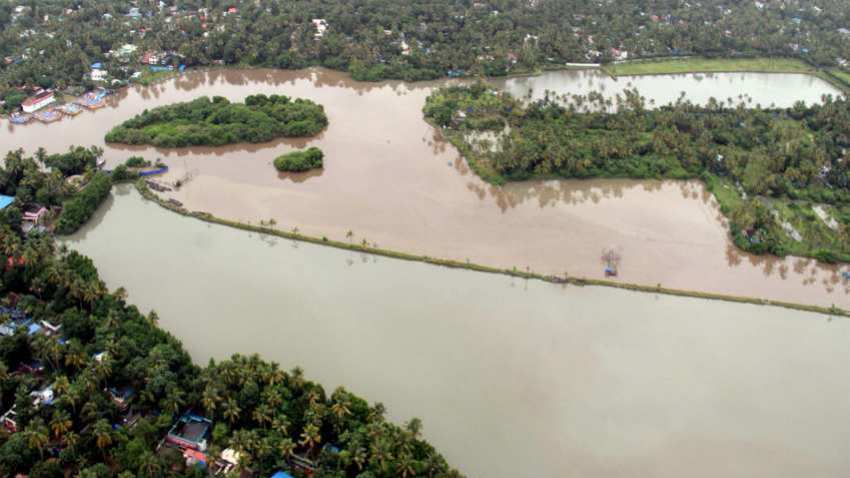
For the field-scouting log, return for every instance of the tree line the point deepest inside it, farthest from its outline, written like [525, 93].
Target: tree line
[53, 43]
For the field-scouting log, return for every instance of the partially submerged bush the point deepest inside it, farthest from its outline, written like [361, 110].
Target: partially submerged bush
[298, 161]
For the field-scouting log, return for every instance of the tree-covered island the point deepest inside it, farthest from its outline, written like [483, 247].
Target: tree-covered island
[781, 176]
[300, 161]
[217, 122]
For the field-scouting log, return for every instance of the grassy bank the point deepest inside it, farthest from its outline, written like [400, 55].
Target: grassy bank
[837, 78]
[708, 65]
[514, 272]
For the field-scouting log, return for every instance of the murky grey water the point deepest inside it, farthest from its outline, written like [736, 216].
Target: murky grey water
[511, 378]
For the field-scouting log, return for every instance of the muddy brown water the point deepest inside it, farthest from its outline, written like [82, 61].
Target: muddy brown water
[508, 375]
[511, 377]
[391, 180]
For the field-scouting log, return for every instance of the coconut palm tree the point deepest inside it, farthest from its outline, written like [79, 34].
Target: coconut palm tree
[37, 436]
[209, 399]
[310, 437]
[60, 423]
[262, 415]
[359, 457]
[280, 424]
[61, 384]
[405, 466]
[75, 356]
[150, 464]
[297, 378]
[173, 401]
[272, 397]
[102, 435]
[380, 449]
[231, 410]
[71, 439]
[275, 375]
[414, 426]
[286, 447]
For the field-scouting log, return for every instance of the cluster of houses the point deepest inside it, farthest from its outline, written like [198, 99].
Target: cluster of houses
[191, 433]
[33, 219]
[16, 319]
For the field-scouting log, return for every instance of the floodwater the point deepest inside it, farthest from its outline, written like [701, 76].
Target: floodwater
[511, 377]
[765, 89]
[390, 179]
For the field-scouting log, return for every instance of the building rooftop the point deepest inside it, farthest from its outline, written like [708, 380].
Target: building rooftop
[5, 201]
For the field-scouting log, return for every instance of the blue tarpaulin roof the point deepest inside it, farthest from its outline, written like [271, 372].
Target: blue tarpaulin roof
[97, 66]
[281, 474]
[5, 201]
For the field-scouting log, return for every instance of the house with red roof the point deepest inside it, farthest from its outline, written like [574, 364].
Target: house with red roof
[38, 101]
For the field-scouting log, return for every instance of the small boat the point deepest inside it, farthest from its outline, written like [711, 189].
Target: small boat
[71, 109]
[20, 118]
[48, 116]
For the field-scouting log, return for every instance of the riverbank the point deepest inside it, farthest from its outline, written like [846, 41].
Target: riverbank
[514, 272]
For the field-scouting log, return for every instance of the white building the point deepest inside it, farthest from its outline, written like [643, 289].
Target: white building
[321, 26]
[99, 75]
[39, 101]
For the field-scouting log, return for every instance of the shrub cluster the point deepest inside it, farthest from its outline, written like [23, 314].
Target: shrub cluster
[298, 161]
[77, 210]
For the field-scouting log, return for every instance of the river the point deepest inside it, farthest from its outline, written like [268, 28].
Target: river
[511, 377]
[391, 180]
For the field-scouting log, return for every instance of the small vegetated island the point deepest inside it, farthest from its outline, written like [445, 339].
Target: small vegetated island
[781, 176]
[300, 161]
[217, 122]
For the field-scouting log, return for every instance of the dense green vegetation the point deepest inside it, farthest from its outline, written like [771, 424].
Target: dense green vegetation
[216, 122]
[53, 43]
[299, 161]
[772, 170]
[42, 180]
[77, 210]
[92, 346]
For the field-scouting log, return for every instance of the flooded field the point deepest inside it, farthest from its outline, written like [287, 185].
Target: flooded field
[508, 376]
[389, 179]
[765, 89]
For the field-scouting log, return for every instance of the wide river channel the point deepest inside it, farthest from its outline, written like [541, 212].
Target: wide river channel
[509, 376]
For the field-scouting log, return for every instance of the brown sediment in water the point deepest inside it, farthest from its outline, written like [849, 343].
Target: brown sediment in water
[391, 180]
[565, 381]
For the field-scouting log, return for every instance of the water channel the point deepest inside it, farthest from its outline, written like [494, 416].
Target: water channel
[511, 378]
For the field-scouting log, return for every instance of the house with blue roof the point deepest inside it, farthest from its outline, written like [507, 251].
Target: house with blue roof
[5, 201]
